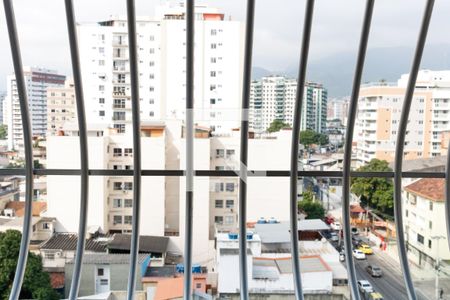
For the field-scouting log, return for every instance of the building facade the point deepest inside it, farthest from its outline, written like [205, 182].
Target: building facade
[424, 216]
[162, 59]
[273, 98]
[61, 107]
[379, 111]
[37, 80]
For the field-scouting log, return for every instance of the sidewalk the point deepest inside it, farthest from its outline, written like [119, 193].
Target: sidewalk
[424, 279]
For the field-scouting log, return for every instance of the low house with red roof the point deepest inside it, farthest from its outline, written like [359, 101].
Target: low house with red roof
[424, 221]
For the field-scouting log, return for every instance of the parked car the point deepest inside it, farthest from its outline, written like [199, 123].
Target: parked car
[334, 237]
[358, 254]
[364, 248]
[375, 296]
[374, 271]
[365, 287]
[336, 226]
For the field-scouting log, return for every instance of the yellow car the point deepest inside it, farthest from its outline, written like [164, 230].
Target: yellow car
[375, 296]
[365, 249]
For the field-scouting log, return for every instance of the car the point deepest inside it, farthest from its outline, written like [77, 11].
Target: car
[334, 237]
[365, 287]
[358, 254]
[355, 231]
[364, 248]
[336, 226]
[374, 271]
[375, 296]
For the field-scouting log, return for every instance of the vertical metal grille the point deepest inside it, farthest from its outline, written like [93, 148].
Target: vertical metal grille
[294, 148]
[348, 148]
[243, 174]
[84, 157]
[400, 145]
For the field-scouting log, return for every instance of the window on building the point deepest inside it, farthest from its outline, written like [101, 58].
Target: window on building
[101, 113]
[220, 168]
[429, 244]
[220, 153]
[219, 187]
[230, 152]
[431, 205]
[213, 60]
[430, 224]
[212, 101]
[230, 204]
[117, 220]
[127, 186]
[128, 203]
[117, 203]
[117, 152]
[229, 220]
[212, 73]
[101, 62]
[128, 220]
[219, 203]
[101, 100]
[218, 220]
[213, 31]
[420, 239]
[213, 46]
[230, 187]
[198, 285]
[100, 272]
[117, 186]
[101, 88]
[128, 152]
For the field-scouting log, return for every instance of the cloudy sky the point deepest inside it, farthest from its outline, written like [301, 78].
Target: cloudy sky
[43, 33]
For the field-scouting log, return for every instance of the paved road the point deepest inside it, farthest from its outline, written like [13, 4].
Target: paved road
[390, 285]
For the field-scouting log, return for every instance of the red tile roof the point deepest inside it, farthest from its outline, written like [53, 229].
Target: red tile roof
[19, 207]
[429, 188]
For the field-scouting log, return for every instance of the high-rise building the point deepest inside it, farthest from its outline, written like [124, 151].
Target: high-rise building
[161, 46]
[338, 109]
[379, 111]
[2, 100]
[61, 107]
[273, 98]
[37, 80]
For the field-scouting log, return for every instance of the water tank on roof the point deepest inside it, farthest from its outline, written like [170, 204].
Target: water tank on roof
[273, 221]
[250, 235]
[180, 268]
[196, 269]
[261, 221]
[232, 236]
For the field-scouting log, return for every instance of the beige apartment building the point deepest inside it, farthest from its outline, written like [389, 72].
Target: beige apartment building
[379, 111]
[61, 106]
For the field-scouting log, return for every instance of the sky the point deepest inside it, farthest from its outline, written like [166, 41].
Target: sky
[278, 25]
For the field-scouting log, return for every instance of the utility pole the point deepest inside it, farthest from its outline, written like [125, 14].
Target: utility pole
[437, 238]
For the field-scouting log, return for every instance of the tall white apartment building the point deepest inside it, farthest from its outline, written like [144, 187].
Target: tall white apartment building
[61, 107]
[338, 109]
[273, 98]
[163, 198]
[161, 49]
[2, 100]
[37, 80]
[379, 111]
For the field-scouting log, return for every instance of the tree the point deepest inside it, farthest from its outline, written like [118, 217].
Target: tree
[312, 209]
[3, 132]
[36, 283]
[277, 125]
[375, 191]
[308, 137]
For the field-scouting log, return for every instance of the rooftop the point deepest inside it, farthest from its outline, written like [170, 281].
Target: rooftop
[105, 258]
[147, 243]
[68, 242]
[19, 207]
[432, 164]
[429, 188]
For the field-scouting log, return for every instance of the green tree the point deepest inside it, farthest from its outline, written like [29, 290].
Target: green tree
[308, 137]
[312, 209]
[3, 132]
[36, 283]
[277, 125]
[322, 139]
[375, 192]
